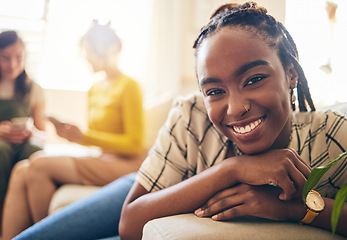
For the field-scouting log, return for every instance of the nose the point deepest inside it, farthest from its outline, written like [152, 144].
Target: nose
[235, 106]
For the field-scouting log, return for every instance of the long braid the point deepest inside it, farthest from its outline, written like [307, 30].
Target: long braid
[253, 18]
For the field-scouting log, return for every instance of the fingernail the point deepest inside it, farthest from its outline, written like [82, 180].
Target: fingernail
[200, 213]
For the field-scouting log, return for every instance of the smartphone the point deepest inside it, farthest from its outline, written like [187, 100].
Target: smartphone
[19, 122]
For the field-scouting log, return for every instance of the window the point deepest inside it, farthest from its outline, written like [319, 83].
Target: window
[321, 44]
[52, 30]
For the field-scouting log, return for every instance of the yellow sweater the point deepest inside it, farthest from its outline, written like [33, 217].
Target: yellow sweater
[116, 117]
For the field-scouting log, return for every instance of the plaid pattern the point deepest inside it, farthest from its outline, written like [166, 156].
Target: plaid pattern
[188, 143]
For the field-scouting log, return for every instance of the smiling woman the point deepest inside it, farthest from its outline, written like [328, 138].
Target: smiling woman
[239, 148]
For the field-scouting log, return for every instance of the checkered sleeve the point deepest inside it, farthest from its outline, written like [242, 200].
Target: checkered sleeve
[166, 163]
[335, 139]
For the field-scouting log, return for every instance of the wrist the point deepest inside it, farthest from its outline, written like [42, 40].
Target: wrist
[228, 170]
[297, 210]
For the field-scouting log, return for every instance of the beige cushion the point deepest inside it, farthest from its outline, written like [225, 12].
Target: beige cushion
[69, 193]
[190, 227]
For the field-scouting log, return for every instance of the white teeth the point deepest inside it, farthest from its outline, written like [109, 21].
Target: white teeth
[247, 128]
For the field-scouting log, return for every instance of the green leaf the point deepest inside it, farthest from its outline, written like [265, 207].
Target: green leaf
[317, 173]
[340, 199]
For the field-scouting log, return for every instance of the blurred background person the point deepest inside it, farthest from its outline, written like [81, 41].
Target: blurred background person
[21, 103]
[115, 124]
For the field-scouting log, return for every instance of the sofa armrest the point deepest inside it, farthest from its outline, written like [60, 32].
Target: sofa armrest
[190, 227]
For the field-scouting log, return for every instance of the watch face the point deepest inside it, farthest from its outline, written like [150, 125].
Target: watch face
[314, 201]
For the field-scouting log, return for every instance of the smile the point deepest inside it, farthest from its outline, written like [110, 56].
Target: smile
[248, 128]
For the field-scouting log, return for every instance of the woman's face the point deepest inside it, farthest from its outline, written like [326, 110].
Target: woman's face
[12, 61]
[237, 70]
[99, 62]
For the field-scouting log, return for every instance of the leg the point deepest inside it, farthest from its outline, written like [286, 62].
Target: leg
[25, 150]
[42, 179]
[96, 216]
[16, 216]
[6, 163]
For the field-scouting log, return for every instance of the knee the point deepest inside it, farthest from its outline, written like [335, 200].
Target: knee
[19, 172]
[36, 168]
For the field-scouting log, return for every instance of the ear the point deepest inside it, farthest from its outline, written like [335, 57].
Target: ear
[292, 76]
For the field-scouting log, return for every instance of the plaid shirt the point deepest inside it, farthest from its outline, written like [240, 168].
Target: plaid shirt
[188, 143]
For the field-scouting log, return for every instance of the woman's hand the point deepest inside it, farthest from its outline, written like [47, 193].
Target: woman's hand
[13, 133]
[258, 201]
[280, 167]
[68, 131]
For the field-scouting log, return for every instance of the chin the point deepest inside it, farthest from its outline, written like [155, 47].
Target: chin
[252, 149]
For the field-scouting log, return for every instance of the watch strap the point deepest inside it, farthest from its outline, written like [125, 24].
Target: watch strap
[309, 217]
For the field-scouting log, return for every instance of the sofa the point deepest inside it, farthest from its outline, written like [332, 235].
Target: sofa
[191, 227]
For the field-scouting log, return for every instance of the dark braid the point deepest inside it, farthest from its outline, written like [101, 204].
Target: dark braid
[255, 19]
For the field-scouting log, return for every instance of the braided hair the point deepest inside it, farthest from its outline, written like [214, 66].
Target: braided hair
[22, 83]
[250, 17]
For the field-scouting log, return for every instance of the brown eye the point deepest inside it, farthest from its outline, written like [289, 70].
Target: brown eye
[255, 79]
[214, 92]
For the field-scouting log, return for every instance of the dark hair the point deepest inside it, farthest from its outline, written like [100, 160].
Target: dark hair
[22, 86]
[253, 18]
[100, 38]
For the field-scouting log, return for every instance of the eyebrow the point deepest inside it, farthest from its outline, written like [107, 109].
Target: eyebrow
[250, 65]
[239, 72]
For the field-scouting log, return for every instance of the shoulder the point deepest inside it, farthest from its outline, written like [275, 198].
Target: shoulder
[189, 119]
[318, 118]
[36, 93]
[190, 108]
[35, 86]
[129, 82]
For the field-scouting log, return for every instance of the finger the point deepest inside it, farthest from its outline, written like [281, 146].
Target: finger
[303, 166]
[284, 181]
[298, 175]
[221, 205]
[215, 198]
[237, 211]
[291, 177]
[220, 195]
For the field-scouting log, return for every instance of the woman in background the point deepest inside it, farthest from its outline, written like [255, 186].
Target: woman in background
[20, 99]
[116, 125]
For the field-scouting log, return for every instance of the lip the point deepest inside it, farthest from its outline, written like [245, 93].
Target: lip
[247, 129]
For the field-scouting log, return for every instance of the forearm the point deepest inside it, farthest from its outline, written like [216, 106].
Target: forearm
[323, 220]
[116, 143]
[180, 198]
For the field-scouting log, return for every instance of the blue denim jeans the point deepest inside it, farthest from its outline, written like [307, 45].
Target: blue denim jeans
[94, 217]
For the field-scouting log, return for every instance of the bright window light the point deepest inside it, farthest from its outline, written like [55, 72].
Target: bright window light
[52, 30]
[322, 47]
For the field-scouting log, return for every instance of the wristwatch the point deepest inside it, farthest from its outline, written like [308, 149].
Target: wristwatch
[315, 204]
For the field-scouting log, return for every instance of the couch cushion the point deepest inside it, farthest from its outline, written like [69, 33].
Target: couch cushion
[69, 193]
[190, 227]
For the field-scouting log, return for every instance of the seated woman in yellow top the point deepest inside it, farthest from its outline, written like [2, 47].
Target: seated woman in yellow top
[116, 125]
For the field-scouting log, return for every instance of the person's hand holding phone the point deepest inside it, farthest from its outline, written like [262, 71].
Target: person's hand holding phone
[15, 131]
[65, 130]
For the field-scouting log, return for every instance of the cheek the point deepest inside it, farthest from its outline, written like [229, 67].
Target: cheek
[215, 112]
